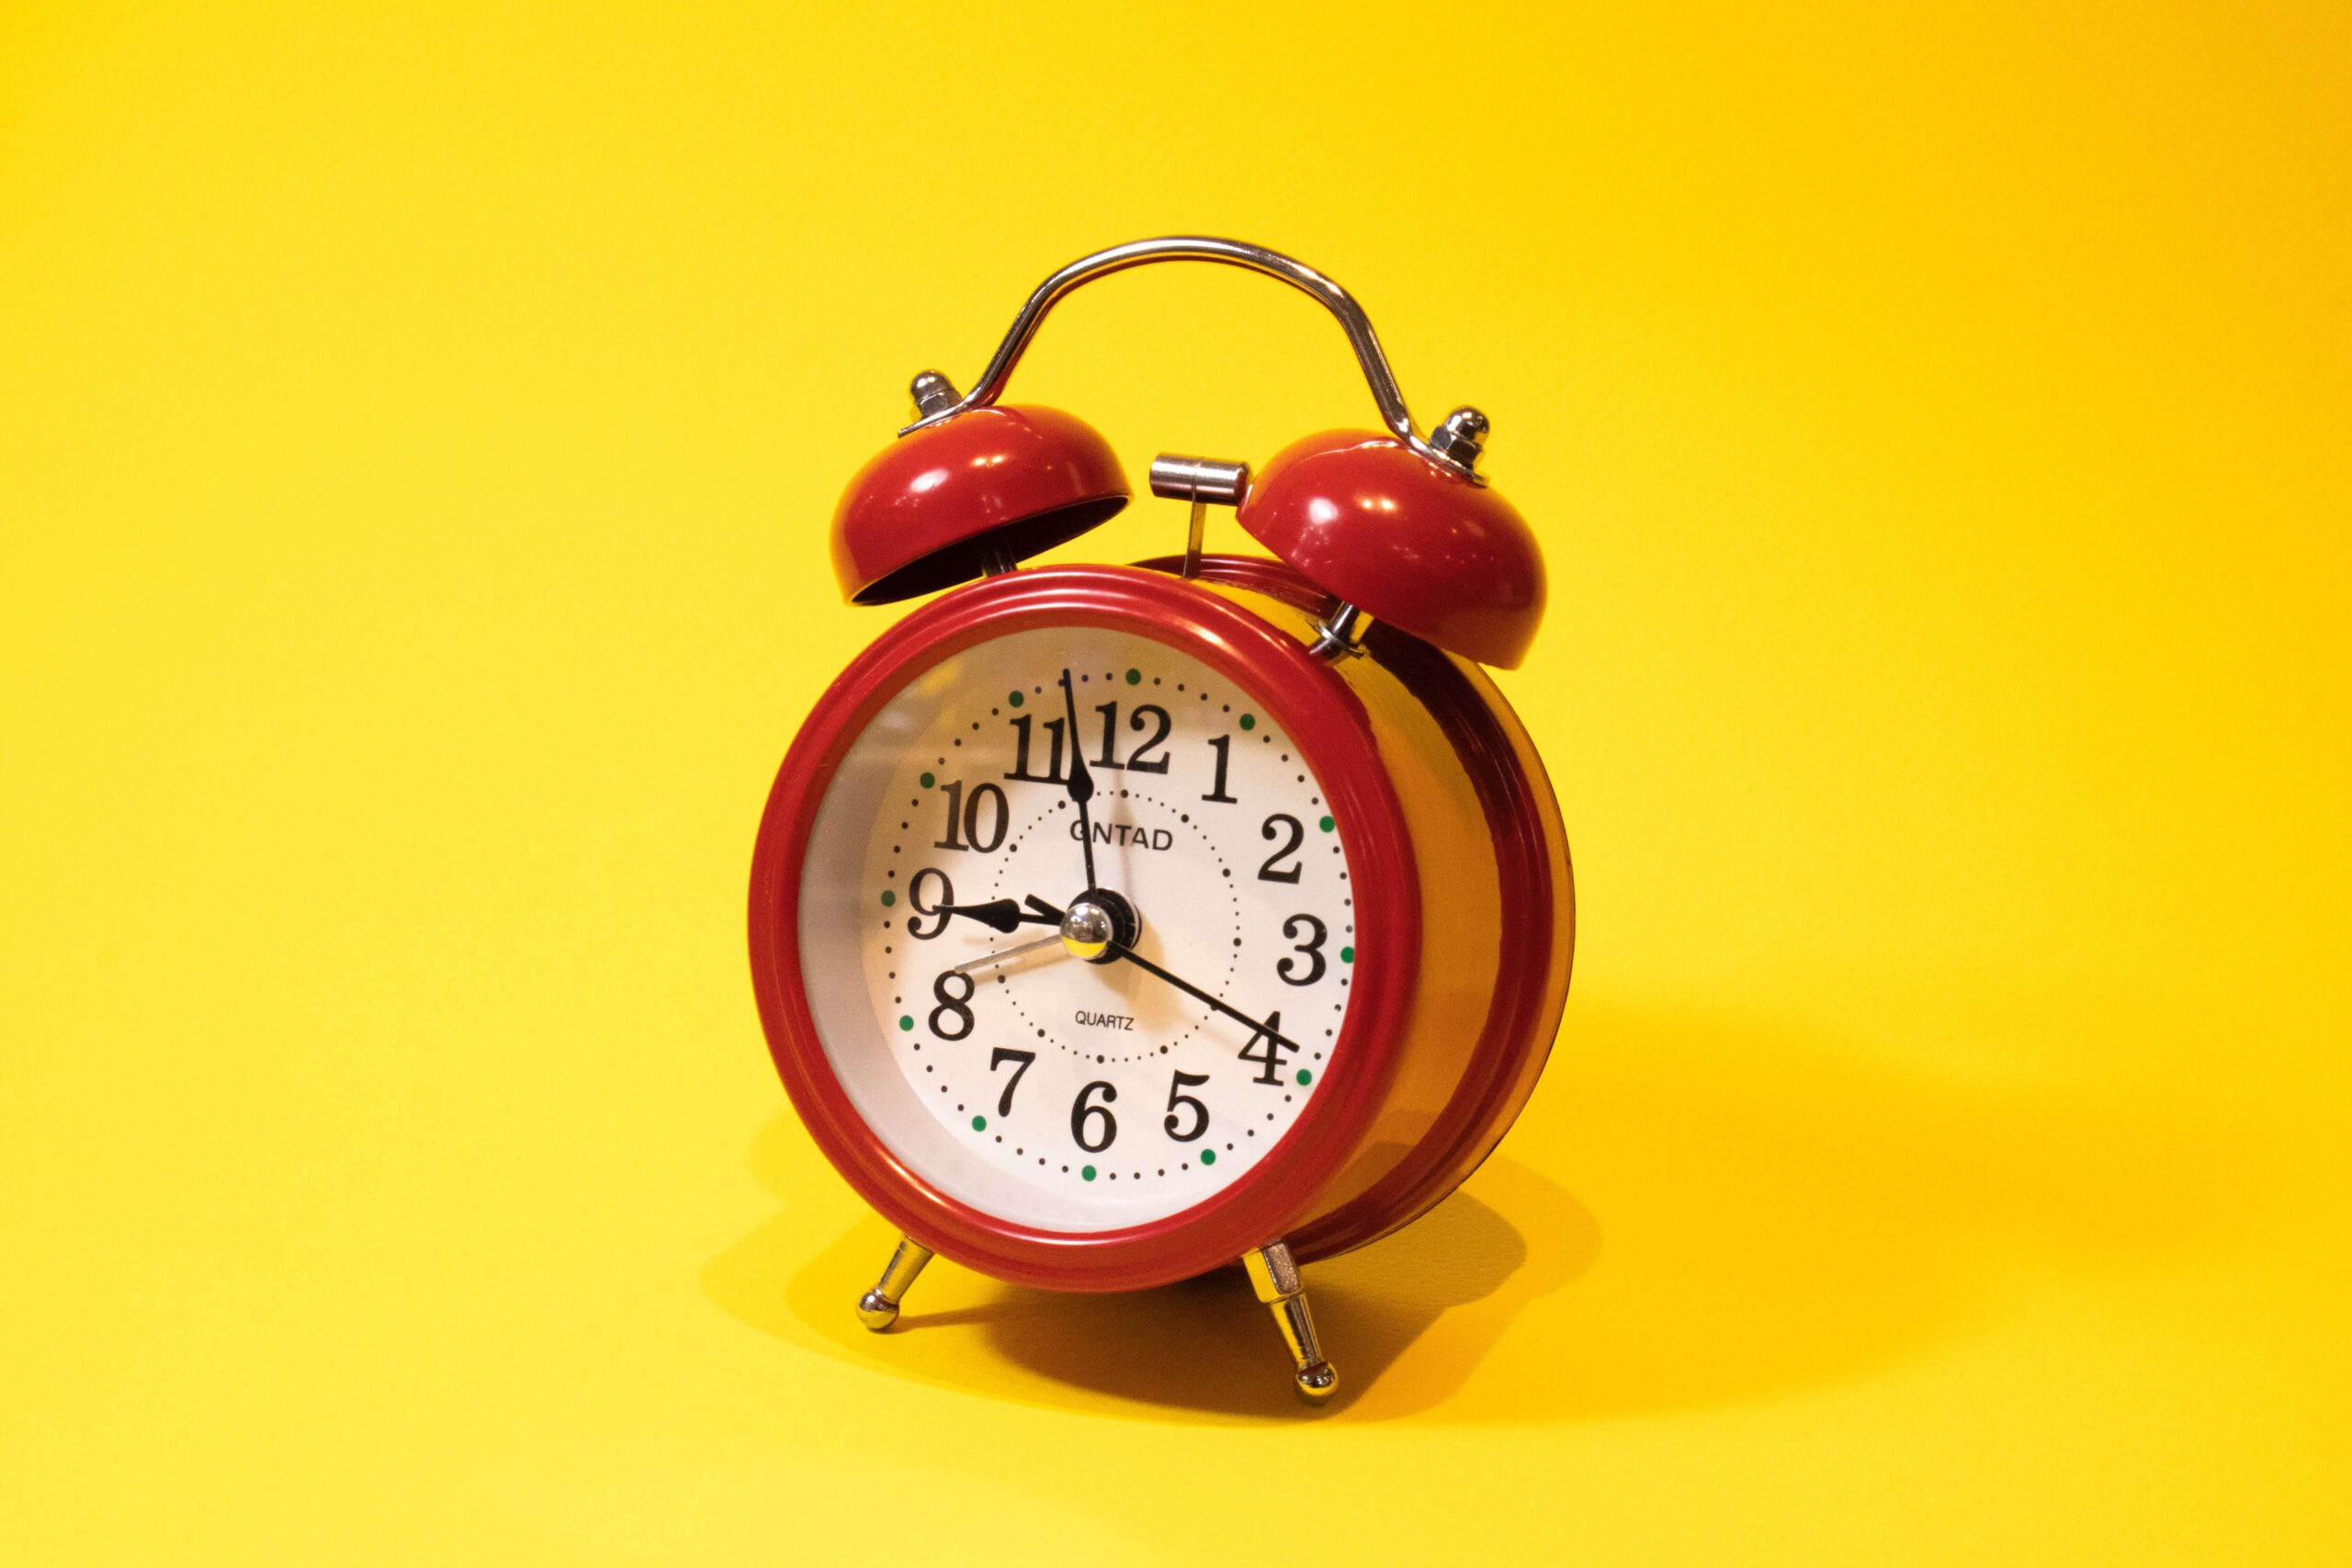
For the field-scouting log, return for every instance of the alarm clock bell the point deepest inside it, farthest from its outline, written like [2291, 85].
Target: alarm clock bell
[1395, 526]
[976, 494]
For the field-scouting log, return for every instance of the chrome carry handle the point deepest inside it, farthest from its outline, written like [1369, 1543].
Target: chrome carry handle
[1455, 446]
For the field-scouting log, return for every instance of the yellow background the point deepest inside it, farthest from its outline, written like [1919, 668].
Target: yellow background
[417, 429]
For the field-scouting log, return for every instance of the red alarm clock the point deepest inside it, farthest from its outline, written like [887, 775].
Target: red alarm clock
[1112, 924]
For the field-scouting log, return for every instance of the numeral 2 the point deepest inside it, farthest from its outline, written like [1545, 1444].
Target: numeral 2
[1276, 826]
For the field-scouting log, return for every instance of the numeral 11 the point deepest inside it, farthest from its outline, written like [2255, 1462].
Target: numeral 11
[1053, 774]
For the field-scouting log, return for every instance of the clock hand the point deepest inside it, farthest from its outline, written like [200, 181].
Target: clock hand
[999, 914]
[1081, 783]
[1120, 950]
[1000, 954]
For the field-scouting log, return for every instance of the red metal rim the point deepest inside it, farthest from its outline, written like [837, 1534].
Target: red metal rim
[1329, 727]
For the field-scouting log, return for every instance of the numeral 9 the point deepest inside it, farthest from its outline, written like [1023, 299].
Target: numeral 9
[927, 875]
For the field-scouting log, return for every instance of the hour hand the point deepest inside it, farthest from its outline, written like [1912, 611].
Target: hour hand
[998, 914]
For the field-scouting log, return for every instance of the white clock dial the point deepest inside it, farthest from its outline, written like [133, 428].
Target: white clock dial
[1043, 1088]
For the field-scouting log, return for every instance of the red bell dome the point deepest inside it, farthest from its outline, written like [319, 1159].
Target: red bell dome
[987, 487]
[1411, 542]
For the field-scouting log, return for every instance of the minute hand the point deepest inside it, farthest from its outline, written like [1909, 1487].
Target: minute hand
[1121, 950]
[1081, 783]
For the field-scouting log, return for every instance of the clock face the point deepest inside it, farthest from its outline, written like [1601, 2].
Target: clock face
[1006, 1069]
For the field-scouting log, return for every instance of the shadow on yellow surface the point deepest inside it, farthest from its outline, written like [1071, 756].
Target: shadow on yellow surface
[1775, 1220]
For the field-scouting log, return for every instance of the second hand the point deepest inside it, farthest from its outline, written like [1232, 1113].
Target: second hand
[1003, 953]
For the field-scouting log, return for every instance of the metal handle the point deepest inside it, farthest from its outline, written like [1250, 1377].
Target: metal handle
[1231, 252]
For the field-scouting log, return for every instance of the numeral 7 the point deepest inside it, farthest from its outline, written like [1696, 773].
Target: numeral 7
[997, 1058]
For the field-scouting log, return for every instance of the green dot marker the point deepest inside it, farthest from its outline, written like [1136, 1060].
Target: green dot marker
[1248, 721]
[1086, 1173]
[1305, 1077]
[1347, 955]
[979, 1124]
[1208, 1156]
[1326, 824]
[929, 780]
[889, 898]
[1014, 698]
[1134, 677]
[905, 1023]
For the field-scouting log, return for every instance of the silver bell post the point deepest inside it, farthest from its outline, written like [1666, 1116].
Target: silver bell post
[1201, 480]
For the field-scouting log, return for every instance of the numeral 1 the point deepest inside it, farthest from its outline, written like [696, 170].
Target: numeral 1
[1223, 746]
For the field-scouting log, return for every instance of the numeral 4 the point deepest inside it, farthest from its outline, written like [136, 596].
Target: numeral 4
[1270, 1061]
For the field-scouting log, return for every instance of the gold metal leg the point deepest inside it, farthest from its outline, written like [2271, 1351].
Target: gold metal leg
[879, 1308]
[1275, 1276]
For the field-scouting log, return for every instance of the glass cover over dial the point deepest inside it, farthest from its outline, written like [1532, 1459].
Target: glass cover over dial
[1070, 1041]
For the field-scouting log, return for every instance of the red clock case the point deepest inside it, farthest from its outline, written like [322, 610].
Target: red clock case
[1425, 766]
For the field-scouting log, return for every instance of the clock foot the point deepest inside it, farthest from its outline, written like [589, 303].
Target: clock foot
[1275, 1276]
[879, 1308]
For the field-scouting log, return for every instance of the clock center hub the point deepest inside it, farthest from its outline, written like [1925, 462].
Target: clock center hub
[1094, 920]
